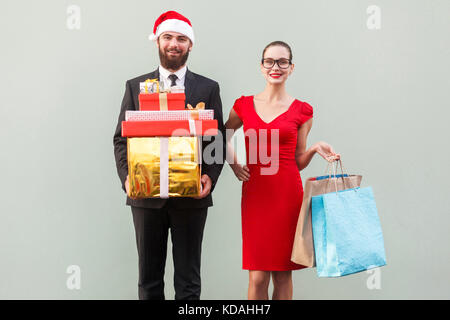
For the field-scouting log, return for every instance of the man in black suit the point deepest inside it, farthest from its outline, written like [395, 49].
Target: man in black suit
[185, 217]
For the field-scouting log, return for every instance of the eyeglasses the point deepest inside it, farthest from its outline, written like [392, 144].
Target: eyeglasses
[282, 63]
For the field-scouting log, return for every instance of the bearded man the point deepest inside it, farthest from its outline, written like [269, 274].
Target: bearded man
[184, 217]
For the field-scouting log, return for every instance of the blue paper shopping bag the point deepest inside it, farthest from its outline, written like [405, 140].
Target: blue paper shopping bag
[347, 232]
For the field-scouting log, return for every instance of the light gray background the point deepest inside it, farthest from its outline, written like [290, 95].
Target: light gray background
[380, 97]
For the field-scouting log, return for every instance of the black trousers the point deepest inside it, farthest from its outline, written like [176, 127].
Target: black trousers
[186, 230]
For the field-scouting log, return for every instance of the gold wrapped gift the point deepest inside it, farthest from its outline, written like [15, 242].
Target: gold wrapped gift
[164, 167]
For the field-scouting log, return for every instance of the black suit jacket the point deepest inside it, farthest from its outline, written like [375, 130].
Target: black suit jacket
[197, 89]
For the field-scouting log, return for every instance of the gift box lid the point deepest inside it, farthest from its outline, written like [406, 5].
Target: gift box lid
[169, 128]
[155, 96]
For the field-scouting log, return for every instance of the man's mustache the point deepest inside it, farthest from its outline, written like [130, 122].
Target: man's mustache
[173, 50]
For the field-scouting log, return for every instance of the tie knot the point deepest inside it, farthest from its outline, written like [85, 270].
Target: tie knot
[173, 78]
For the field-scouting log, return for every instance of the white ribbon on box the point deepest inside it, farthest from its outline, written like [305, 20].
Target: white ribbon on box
[192, 130]
[164, 167]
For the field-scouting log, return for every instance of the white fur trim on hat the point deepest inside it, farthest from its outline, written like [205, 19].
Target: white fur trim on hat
[173, 25]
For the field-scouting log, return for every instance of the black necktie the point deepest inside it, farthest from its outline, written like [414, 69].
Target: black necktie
[173, 78]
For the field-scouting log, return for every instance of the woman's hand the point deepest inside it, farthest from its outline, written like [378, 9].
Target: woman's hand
[326, 151]
[240, 171]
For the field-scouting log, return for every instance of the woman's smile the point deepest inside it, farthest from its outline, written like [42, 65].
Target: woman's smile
[275, 75]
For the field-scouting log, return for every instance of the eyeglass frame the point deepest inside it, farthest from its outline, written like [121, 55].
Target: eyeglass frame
[276, 61]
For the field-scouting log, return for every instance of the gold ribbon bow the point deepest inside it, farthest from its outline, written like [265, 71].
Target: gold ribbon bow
[194, 115]
[199, 106]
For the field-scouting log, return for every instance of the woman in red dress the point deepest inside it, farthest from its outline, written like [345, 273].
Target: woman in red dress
[276, 127]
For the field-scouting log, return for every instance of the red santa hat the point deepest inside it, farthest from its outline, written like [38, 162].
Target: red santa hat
[172, 21]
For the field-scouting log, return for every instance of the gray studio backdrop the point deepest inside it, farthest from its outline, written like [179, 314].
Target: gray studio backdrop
[376, 73]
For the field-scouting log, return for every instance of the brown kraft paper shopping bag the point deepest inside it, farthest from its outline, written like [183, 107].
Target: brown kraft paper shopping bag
[303, 248]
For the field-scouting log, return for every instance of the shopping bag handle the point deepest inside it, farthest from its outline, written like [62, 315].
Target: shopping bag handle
[332, 164]
[328, 170]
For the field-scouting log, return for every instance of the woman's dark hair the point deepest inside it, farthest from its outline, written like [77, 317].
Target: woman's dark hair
[278, 43]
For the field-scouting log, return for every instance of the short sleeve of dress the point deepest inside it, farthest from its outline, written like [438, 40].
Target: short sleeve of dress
[306, 112]
[239, 107]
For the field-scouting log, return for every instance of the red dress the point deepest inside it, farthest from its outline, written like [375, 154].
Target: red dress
[271, 200]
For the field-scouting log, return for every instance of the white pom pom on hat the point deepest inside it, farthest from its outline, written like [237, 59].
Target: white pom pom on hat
[172, 21]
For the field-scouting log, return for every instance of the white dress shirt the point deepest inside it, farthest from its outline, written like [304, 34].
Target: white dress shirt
[164, 76]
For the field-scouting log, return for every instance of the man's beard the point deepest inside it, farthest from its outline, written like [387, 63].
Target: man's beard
[172, 63]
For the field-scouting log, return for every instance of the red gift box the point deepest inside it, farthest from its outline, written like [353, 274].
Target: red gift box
[161, 101]
[169, 128]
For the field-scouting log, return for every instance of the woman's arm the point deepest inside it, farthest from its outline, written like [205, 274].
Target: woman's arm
[303, 157]
[233, 123]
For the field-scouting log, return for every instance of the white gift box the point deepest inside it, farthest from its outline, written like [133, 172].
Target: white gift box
[169, 115]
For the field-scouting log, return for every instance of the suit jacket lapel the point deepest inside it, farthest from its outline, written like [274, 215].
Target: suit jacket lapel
[189, 86]
[155, 74]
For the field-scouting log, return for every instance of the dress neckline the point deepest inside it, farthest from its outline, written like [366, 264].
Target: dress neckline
[254, 109]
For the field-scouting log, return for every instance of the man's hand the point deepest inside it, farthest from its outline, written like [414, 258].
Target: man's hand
[206, 186]
[127, 186]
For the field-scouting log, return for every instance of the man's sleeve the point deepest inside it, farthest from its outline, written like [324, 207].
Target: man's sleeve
[213, 170]
[120, 143]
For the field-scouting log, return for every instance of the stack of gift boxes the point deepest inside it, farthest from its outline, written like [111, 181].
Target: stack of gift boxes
[163, 148]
